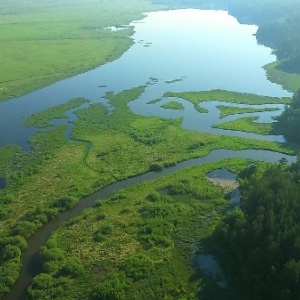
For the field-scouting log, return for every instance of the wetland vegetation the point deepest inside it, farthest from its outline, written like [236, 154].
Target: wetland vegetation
[141, 242]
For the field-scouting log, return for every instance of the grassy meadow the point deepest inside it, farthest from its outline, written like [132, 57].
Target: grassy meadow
[247, 124]
[173, 105]
[289, 81]
[229, 110]
[228, 96]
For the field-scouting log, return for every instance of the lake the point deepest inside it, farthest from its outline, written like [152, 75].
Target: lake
[173, 51]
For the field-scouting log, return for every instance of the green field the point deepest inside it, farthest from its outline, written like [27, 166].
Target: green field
[247, 125]
[173, 105]
[228, 96]
[289, 81]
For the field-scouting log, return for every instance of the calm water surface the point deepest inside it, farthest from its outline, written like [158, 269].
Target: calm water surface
[182, 50]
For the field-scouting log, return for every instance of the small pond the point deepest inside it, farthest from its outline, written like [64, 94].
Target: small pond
[2, 183]
[208, 264]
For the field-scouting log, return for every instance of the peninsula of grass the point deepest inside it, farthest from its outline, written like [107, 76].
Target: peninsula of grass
[43, 42]
[247, 125]
[289, 81]
[173, 105]
[138, 244]
[43, 118]
[227, 96]
[229, 110]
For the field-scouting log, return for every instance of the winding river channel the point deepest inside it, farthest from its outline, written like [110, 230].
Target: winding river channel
[30, 255]
[174, 51]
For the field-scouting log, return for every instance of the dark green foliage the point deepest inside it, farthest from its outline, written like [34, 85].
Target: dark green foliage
[138, 267]
[156, 167]
[11, 252]
[112, 288]
[146, 137]
[101, 216]
[102, 232]
[289, 121]
[261, 242]
[17, 240]
[196, 145]
[160, 221]
[65, 203]
[7, 199]
[44, 286]
[51, 254]
[25, 229]
[72, 269]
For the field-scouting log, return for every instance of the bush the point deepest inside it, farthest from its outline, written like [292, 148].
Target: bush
[7, 199]
[138, 267]
[72, 268]
[156, 167]
[106, 229]
[112, 288]
[52, 254]
[64, 203]
[25, 229]
[11, 252]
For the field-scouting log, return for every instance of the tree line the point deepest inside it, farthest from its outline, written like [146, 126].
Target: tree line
[259, 243]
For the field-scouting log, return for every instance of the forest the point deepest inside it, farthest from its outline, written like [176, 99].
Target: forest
[289, 121]
[259, 243]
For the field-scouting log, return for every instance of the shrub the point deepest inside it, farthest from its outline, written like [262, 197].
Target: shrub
[112, 288]
[65, 202]
[156, 167]
[72, 268]
[138, 267]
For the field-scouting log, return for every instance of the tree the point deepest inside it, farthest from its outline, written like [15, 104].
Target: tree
[289, 121]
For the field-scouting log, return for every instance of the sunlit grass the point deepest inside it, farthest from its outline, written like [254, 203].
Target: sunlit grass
[289, 81]
[247, 125]
[229, 110]
[227, 96]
